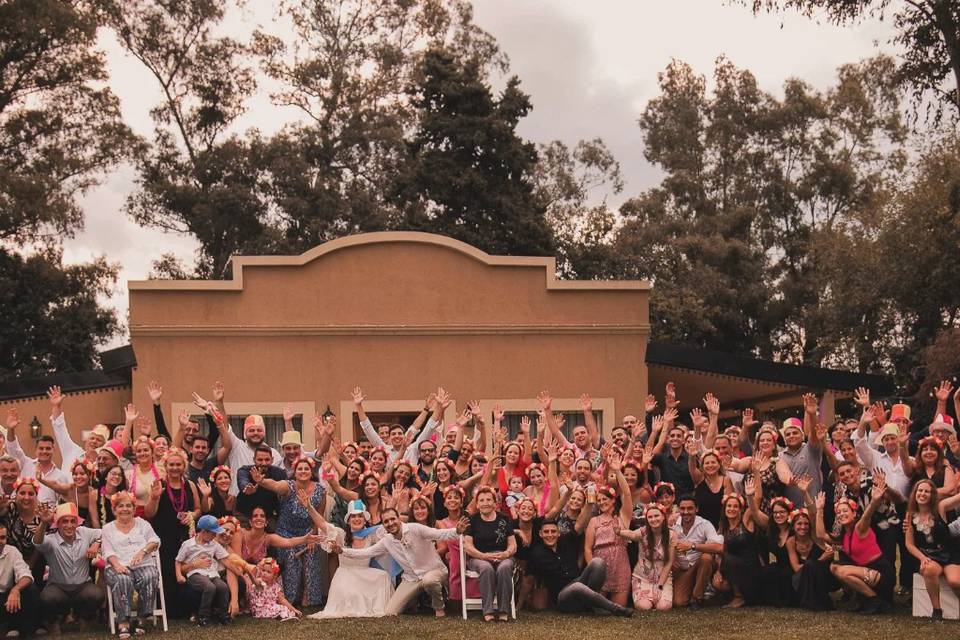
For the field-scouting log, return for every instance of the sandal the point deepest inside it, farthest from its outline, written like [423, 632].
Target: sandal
[123, 631]
[488, 617]
[503, 616]
[871, 577]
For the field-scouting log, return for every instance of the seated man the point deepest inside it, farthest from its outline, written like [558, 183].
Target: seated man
[19, 599]
[554, 561]
[214, 593]
[68, 551]
[697, 544]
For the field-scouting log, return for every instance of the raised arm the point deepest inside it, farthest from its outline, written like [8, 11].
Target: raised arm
[876, 496]
[334, 481]
[546, 402]
[69, 450]
[156, 393]
[365, 424]
[586, 403]
[281, 488]
[713, 419]
[692, 467]
[13, 445]
[942, 394]
[754, 491]
[810, 414]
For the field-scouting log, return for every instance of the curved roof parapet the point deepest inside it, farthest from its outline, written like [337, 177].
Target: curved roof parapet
[547, 263]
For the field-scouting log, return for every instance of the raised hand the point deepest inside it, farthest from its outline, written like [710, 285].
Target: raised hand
[256, 475]
[810, 404]
[802, 481]
[443, 398]
[498, 413]
[559, 420]
[821, 432]
[691, 447]
[288, 413]
[183, 418]
[586, 402]
[200, 402]
[657, 423]
[749, 485]
[820, 501]
[880, 411]
[156, 489]
[55, 396]
[747, 420]
[357, 395]
[696, 417]
[46, 513]
[942, 392]
[545, 400]
[205, 489]
[155, 391]
[552, 453]
[304, 496]
[474, 408]
[862, 397]
[867, 416]
[670, 414]
[130, 414]
[525, 425]
[712, 403]
[670, 398]
[217, 391]
[13, 419]
[431, 402]
[953, 443]
[464, 418]
[879, 480]
[650, 404]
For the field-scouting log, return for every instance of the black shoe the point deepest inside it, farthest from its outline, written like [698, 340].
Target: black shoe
[937, 614]
[224, 619]
[624, 612]
[203, 622]
[694, 604]
[871, 606]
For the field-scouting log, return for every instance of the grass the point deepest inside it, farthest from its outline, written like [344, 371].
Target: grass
[717, 624]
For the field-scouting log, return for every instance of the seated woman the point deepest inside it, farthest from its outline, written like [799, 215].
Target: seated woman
[358, 590]
[777, 575]
[652, 580]
[810, 559]
[128, 546]
[928, 540]
[490, 548]
[862, 566]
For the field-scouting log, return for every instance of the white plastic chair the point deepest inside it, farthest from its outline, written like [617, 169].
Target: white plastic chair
[159, 608]
[476, 604]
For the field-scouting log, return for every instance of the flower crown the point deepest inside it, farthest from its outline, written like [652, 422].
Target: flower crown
[662, 485]
[22, 481]
[650, 507]
[147, 439]
[305, 458]
[802, 511]
[457, 488]
[89, 467]
[536, 466]
[734, 496]
[847, 501]
[220, 468]
[382, 449]
[608, 491]
[935, 441]
[784, 502]
[269, 564]
[120, 495]
[367, 475]
[175, 451]
[225, 519]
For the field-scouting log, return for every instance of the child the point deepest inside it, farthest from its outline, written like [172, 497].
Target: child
[265, 594]
[514, 494]
[202, 552]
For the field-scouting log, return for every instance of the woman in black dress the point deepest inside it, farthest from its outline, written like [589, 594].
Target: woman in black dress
[740, 562]
[777, 573]
[172, 509]
[810, 560]
[710, 483]
[928, 540]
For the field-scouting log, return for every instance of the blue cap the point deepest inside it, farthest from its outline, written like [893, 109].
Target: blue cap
[209, 523]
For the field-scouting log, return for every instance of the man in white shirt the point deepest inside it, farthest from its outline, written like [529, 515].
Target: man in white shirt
[412, 546]
[19, 598]
[42, 467]
[70, 451]
[698, 543]
[395, 447]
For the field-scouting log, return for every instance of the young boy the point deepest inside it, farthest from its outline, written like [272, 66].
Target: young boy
[202, 553]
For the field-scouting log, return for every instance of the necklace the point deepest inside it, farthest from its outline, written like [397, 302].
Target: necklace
[180, 502]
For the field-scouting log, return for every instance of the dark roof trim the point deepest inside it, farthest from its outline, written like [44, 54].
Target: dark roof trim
[728, 364]
[116, 372]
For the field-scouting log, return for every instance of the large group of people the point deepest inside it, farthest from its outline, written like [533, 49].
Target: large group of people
[665, 513]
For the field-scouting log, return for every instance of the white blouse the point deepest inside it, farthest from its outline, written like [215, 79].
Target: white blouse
[123, 546]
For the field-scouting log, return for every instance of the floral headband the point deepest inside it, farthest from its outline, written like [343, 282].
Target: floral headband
[784, 502]
[303, 458]
[652, 506]
[846, 501]
[147, 439]
[225, 519]
[457, 488]
[89, 467]
[733, 496]
[217, 470]
[536, 466]
[175, 451]
[367, 475]
[121, 495]
[269, 564]
[930, 440]
[381, 449]
[22, 481]
[796, 513]
[664, 485]
[608, 491]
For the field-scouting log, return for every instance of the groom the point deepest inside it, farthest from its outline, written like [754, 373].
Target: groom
[411, 545]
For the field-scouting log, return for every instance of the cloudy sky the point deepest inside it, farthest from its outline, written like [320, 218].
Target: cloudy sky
[590, 67]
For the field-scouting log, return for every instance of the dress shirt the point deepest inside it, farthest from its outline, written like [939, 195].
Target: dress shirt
[68, 561]
[701, 531]
[414, 550]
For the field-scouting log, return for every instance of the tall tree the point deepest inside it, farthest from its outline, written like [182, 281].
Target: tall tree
[468, 174]
[927, 30]
[194, 177]
[60, 129]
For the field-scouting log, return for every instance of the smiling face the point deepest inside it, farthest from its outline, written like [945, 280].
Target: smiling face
[354, 470]
[780, 514]
[428, 453]
[378, 461]
[536, 478]
[581, 437]
[567, 458]
[291, 452]
[486, 504]
[767, 443]
[229, 530]
[356, 521]
[401, 473]
[349, 452]
[675, 439]
[114, 477]
[124, 510]
[452, 500]
[848, 475]
[421, 512]
[732, 510]
[391, 522]
[792, 437]
[160, 446]
[576, 501]
[891, 443]
[845, 515]
[262, 459]
[67, 527]
[654, 518]
[371, 488]
[631, 476]
[26, 496]
[175, 467]
[923, 493]
[199, 450]
[442, 471]
[848, 451]
[512, 453]
[80, 477]
[258, 519]
[222, 481]
[929, 454]
[711, 465]
[143, 453]
[44, 451]
[9, 472]
[583, 471]
[801, 525]
[303, 472]
[605, 503]
[254, 434]
[526, 511]
[396, 436]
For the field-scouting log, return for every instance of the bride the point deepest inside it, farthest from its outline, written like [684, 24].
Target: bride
[358, 590]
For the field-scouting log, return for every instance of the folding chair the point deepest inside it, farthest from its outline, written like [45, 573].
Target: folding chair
[160, 605]
[476, 604]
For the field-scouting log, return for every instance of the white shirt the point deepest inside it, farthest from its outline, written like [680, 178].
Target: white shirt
[191, 549]
[701, 532]
[70, 451]
[414, 551]
[412, 453]
[873, 459]
[124, 546]
[28, 469]
[241, 455]
[12, 568]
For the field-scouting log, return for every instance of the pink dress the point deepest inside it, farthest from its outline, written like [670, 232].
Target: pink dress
[612, 549]
[264, 601]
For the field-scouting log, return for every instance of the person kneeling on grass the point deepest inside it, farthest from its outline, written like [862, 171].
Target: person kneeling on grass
[214, 593]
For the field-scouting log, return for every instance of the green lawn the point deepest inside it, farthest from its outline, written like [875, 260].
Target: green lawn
[718, 624]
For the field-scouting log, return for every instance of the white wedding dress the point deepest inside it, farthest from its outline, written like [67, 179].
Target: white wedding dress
[357, 590]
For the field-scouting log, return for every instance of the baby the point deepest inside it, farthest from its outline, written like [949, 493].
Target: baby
[265, 593]
[514, 494]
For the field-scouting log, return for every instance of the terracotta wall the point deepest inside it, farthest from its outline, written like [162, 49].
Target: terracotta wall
[82, 411]
[399, 314]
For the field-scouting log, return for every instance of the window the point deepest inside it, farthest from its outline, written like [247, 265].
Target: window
[511, 420]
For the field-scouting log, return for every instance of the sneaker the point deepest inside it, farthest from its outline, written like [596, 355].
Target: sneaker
[904, 591]
[709, 592]
[937, 614]
[203, 622]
